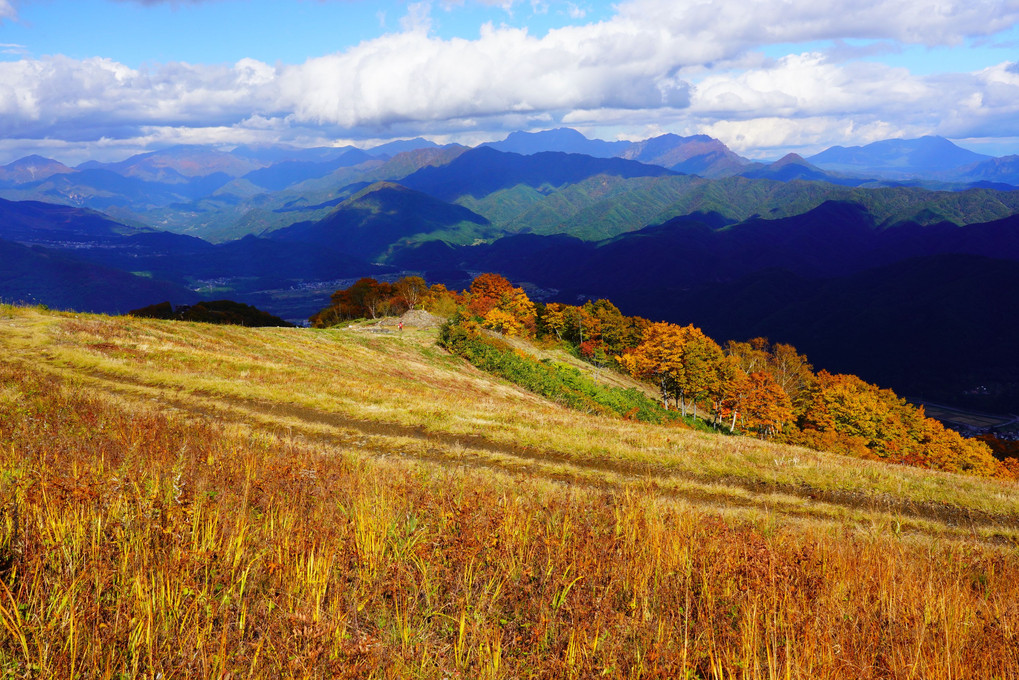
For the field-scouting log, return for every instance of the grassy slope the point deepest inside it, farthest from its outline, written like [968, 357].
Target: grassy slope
[366, 502]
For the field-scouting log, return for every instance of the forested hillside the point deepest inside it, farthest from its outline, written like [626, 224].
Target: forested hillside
[768, 390]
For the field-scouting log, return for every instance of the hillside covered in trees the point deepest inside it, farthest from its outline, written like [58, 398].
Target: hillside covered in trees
[755, 387]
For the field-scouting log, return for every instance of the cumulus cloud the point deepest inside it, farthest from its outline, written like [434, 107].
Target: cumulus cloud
[808, 84]
[761, 136]
[807, 101]
[91, 98]
[413, 76]
[642, 59]
[693, 65]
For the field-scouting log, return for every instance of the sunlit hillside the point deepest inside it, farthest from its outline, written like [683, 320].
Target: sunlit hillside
[189, 500]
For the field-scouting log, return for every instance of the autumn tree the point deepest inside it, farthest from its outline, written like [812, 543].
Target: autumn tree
[789, 369]
[502, 321]
[702, 360]
[755, 401]
[486, 293]
[1009, 468]
[733, 395]
[371, 296]
[441, 301]
[767, 405]
[553, 319]
[411, 290]
[490, 292]
[365, 298]
[751, 356]
[845, 413]
[657, 358]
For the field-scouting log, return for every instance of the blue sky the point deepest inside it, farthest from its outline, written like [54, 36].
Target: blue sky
[136, 33]
[104, 79]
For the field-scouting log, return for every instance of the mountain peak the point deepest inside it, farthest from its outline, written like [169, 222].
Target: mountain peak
[898, 158]
[562, 139]
[698, 154]
[790, 159]
[32, 169]
[401, 146]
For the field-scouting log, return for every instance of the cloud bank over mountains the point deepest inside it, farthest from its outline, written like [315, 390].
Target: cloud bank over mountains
[653, 65]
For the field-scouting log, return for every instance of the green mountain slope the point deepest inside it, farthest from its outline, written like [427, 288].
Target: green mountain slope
[385, 215]
[604, 206]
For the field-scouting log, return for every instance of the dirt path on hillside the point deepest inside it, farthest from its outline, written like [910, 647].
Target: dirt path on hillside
[415, 442]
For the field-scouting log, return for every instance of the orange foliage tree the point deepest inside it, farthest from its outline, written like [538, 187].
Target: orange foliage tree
[500, 305]
[755, 401]
[789, 369]
[686, 364]
[657, 358]
[851, 413]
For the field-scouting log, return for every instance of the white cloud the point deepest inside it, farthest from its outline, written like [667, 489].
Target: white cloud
[12, 48]
[657, 64]
[807, 84]
[576, 11]
[59, 96]
[806, 101]
[760, 137]
[413, 76]
[756, 22]
[7, 10]
[418, 18]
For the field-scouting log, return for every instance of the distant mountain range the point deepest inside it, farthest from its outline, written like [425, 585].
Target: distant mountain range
[845, 254]
[222, 194]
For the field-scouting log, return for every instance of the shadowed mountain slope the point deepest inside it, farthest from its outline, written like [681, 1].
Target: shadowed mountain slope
[383, 215]
[35, 275]
[484, 170]
[37, 222]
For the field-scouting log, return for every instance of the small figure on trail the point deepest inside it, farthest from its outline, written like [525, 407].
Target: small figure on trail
[401, 326]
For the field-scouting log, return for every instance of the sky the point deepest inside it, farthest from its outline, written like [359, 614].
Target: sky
[104, 79]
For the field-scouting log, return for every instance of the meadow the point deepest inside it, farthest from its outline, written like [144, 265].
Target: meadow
[184, 500]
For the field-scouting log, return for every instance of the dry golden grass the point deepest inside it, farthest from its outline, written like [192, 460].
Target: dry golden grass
[182, 500]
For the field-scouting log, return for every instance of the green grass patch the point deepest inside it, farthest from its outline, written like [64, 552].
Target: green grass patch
[556, 381]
